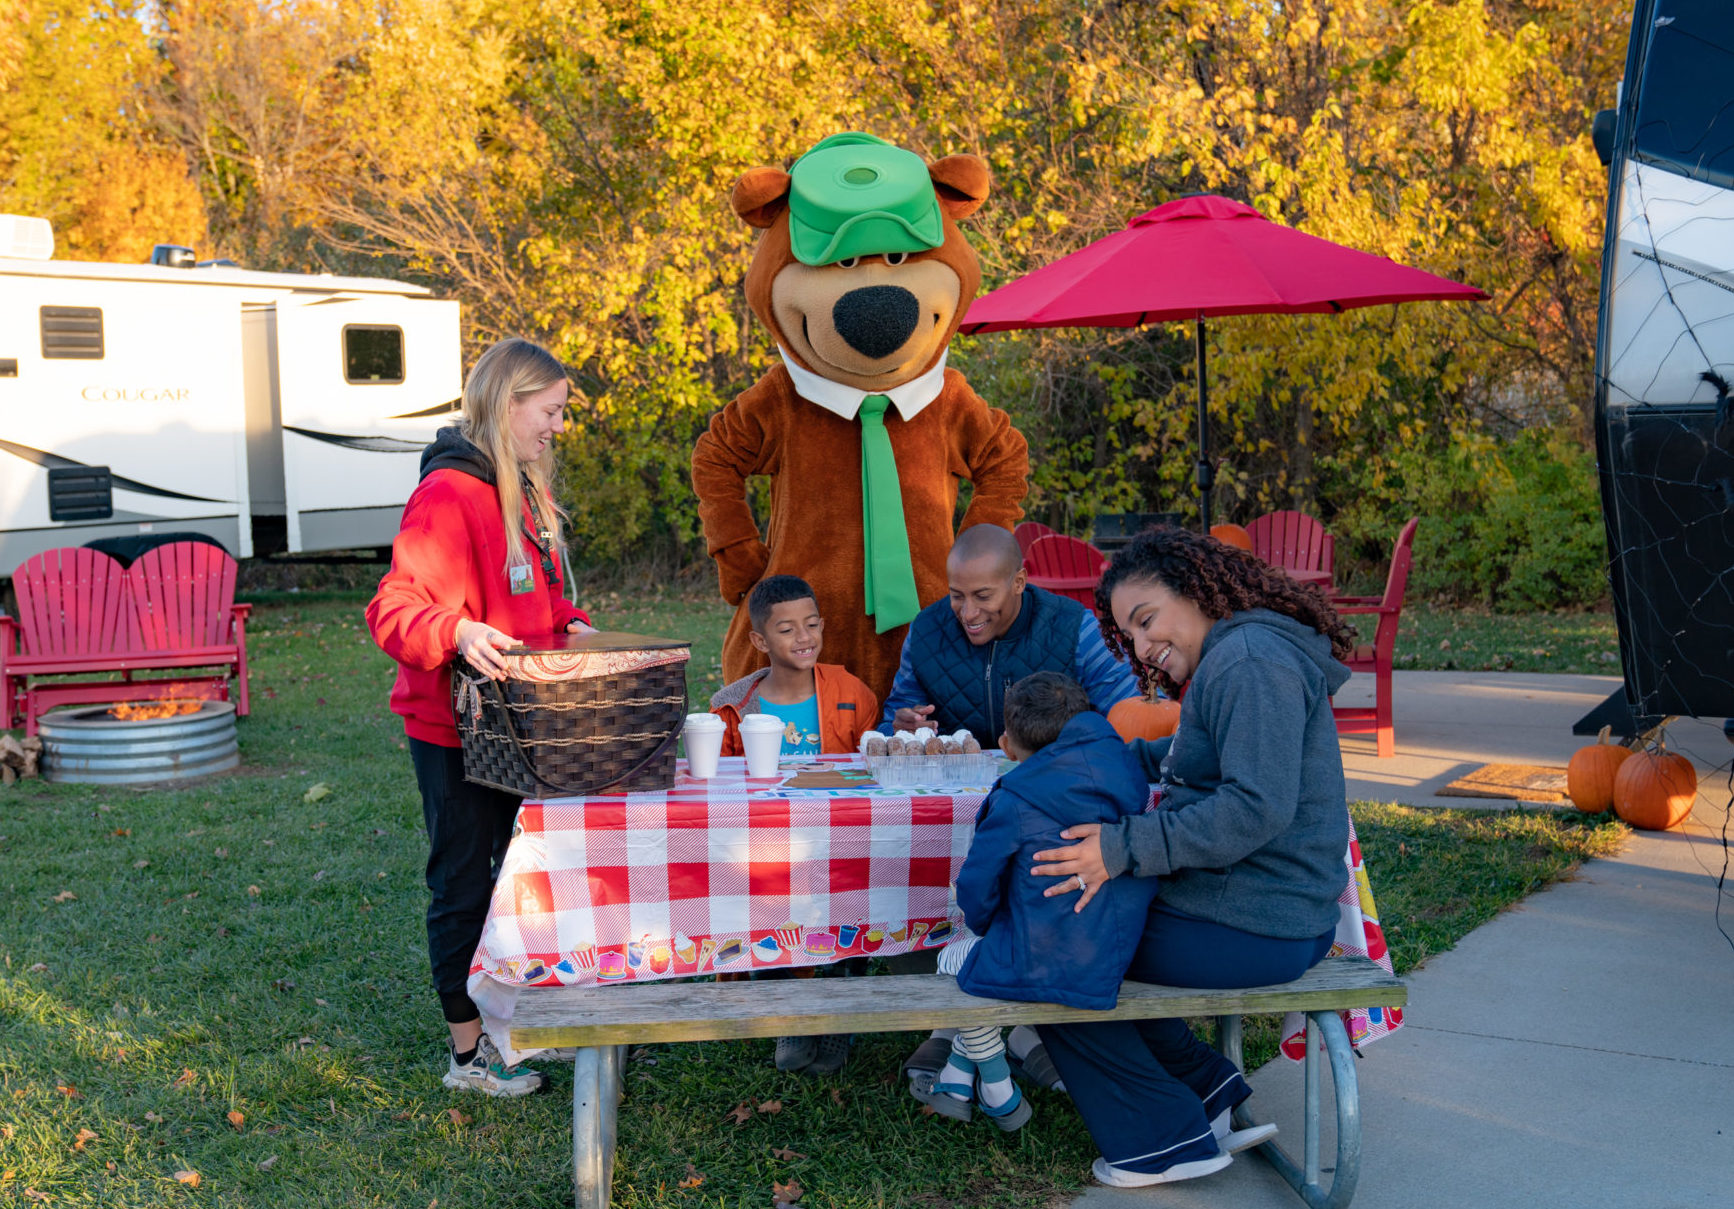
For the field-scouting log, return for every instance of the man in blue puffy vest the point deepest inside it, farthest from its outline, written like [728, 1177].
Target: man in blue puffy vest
[992, 630]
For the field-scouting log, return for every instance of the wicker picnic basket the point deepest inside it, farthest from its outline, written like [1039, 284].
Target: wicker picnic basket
[579, 714]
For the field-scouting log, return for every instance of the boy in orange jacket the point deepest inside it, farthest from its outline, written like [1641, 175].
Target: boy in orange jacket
[823, 706]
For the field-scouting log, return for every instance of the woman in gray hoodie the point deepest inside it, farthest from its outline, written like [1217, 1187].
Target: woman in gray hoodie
[1248, 839]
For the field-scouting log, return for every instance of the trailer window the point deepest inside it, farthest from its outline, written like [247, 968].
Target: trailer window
[71, 332]
[1686, 102]
[372, 353]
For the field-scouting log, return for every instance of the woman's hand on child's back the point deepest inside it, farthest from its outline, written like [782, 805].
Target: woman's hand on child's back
[1080, 865]
[480, 644]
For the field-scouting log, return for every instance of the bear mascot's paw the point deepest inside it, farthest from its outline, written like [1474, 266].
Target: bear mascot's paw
[862, 277]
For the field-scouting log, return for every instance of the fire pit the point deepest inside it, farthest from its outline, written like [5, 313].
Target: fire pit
[114, 745]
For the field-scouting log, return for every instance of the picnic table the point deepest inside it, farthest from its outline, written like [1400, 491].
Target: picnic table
[723, 875]
[737, 873]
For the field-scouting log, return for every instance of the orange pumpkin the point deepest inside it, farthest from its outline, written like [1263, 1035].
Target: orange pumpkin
[1655, 789]
[1589, 778]
[1136, 718]
[1232, 535]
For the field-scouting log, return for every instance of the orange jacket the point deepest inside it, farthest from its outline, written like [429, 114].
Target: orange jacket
[847, 708]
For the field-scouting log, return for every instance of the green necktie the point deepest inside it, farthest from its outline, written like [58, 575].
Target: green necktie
[890, 583]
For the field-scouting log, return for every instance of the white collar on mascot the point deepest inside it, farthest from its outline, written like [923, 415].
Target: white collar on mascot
[845, 401]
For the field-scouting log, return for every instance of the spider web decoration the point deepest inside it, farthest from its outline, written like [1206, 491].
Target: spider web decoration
[1665, 368]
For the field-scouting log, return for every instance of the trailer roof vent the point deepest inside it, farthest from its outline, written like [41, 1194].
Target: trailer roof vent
[172, 256]
[26, 238]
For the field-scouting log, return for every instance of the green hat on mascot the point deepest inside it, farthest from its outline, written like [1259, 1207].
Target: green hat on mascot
[856, 195]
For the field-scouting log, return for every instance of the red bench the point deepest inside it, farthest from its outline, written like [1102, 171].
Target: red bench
[81, 614]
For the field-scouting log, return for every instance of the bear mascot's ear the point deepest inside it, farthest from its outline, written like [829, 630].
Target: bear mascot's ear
[761, 195]
[962, 182]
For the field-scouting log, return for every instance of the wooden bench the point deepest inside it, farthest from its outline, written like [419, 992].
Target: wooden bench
[603, 1021]
[81, 613]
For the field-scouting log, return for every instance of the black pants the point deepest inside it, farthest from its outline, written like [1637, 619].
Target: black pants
[468, 829]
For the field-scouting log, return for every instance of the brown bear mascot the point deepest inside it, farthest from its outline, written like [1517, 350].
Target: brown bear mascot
[862, 277]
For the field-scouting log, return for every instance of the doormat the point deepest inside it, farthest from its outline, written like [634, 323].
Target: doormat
[1520, 782]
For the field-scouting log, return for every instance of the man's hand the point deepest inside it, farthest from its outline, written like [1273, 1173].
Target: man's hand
[911, 717]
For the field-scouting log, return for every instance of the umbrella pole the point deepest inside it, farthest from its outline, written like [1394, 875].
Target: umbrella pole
[1203, 471]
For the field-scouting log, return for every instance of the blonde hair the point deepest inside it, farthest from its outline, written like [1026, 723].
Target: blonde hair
[507, 372]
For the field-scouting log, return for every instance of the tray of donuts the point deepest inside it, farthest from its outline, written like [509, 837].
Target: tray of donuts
[926, 759]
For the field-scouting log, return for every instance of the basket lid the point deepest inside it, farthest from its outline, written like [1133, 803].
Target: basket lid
[591, 643]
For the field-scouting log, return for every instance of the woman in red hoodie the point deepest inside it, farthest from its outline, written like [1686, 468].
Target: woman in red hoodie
[475, 564]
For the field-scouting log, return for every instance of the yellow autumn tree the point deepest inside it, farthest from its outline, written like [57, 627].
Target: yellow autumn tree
[78, 141]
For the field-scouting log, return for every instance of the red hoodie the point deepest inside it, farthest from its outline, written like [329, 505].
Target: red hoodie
[449, 563]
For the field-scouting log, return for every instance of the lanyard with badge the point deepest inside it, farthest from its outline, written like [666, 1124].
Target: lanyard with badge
[522, 576]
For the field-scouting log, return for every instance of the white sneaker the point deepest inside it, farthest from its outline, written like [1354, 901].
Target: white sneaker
[488, 1073]
[1232, 1140]
[1119, 1177]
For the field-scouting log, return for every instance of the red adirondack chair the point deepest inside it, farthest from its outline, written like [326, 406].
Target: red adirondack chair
[1065, 566]
[1295, 541]
[1027, 533]
[1376, 656]
[81, 614]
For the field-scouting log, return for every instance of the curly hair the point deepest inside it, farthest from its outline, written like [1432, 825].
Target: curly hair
[1221, 580]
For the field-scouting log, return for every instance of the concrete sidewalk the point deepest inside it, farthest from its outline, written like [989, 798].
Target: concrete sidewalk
[1578, 1050]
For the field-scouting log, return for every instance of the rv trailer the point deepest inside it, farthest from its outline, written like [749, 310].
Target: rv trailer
[270, 412]
[1664, 362]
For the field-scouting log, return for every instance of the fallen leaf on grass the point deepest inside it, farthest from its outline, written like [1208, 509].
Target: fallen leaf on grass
[66, 896]
[321, 790]
[189, 1178]
[693, 1177]
[786, 1194]
[84, 1135]
[742, 1112]
[185, 1077]
[771, 1107]
[267, 1163]
[458, 1118]
[236, 1119]
[787, 1155]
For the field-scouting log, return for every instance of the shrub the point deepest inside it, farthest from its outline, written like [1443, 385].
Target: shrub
[1512, 525]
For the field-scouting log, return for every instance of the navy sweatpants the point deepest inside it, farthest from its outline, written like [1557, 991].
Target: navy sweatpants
[1148, 1089]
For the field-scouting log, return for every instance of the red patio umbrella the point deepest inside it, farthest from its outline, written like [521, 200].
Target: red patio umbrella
[1198, 257]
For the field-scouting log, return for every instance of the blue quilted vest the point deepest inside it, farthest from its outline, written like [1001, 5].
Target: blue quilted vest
[967, 683]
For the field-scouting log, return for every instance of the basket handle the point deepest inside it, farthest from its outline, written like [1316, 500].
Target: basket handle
[524, 759]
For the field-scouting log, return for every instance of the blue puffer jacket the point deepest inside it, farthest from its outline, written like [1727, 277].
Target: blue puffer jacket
[1037, 948]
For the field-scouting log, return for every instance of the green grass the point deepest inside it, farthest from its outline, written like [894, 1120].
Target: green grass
[1430, 639]
[169, 956]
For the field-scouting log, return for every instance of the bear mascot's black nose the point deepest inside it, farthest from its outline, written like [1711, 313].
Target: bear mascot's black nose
[876, 320]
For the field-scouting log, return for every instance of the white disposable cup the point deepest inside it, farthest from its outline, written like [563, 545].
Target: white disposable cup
[762, 740]
[704, 740]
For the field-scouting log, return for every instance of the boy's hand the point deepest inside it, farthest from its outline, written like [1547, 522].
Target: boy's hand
[1080, 865]
[911, 717]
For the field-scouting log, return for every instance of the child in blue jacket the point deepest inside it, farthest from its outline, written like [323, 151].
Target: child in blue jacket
[1072, 768]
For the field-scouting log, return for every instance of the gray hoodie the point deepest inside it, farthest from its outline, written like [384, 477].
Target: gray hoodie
[1254, 824]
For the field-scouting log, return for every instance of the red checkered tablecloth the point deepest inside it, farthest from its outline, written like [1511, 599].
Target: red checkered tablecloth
[723, 875]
